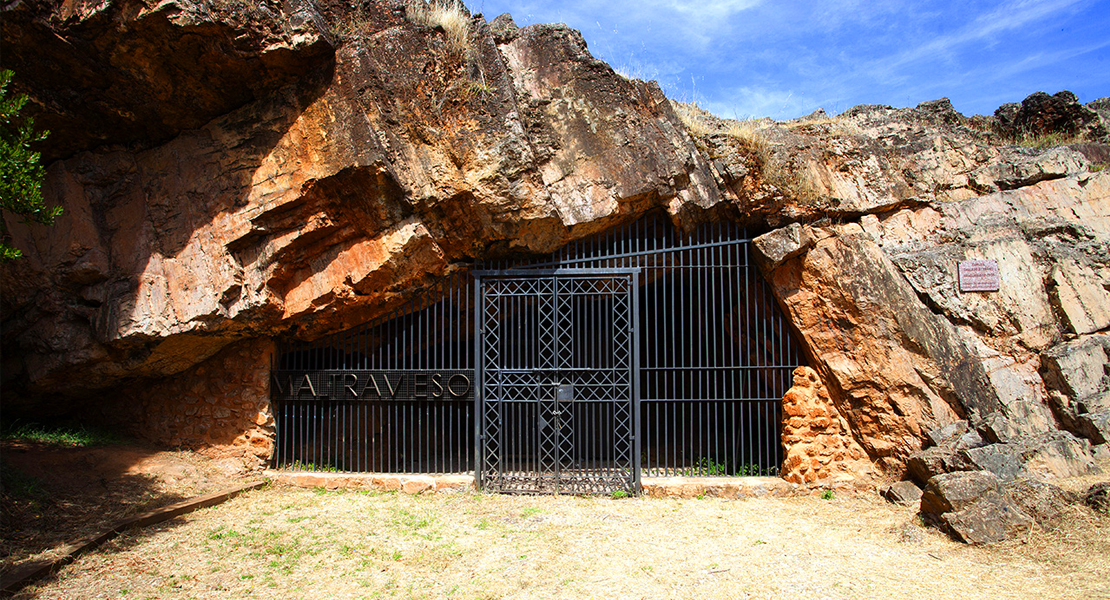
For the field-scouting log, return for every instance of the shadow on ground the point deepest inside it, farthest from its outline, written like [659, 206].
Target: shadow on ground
[53, 495]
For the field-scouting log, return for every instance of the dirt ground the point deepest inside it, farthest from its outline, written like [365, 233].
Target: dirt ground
[283, 542]
[54, 495]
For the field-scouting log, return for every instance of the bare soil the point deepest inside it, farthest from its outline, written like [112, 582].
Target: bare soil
[54, 495]
[283, 542]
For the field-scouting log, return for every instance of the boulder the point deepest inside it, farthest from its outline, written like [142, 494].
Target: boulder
[951, 492]
[1057, 454]
[1016, 419]
[1077, 374]
[1041, 114]
[973, 507]
[1024, 166]
[1101, 452]
[993, 518]
[901, 492]
[1096, 426]
[1050, 454]
[780, 245]
[938, 460]
[1002, 460]
[1098, 496]
[948, 434]
[1046, 503]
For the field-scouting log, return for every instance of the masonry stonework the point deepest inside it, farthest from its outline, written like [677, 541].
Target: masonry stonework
[220, 407]
[817, 439]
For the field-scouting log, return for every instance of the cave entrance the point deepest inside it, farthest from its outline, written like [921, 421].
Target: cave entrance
[414, 391]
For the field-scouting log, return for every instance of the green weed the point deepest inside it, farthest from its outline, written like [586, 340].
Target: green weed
[708, 466]
[308, 466]
[78, 436]
[16, 484]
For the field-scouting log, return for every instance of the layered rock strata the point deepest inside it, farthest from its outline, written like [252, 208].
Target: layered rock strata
[324, 201]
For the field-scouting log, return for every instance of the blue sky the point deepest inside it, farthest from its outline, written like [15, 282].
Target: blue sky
[784, 59]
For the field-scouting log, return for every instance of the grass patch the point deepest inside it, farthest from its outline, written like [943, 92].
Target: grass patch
[75, 436]
[837, 125]
[16, 484]
[1043, 141]
[794, 180]
[311, 466]
[362, 547]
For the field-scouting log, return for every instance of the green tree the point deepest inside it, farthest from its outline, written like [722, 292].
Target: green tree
[21, 174]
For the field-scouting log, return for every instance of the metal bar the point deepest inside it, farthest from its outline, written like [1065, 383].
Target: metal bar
[521, 273]
[634, 376]
[479, 386]
[595, 258]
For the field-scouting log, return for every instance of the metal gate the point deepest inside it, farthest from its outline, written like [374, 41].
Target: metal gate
[557, 380]
[643, 350]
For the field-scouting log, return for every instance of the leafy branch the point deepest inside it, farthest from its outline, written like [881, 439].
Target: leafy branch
[21, 174]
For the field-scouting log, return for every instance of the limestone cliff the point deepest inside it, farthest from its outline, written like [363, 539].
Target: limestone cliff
[235, 171]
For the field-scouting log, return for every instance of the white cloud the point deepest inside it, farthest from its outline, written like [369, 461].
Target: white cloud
[704, 11]
[746, 102]
[1010, 16]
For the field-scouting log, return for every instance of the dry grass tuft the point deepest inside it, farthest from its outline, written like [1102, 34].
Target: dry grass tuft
[702, 123]
[838, 125]
[449, 14]
[780, 170]
[695, 118]
[1043, 141]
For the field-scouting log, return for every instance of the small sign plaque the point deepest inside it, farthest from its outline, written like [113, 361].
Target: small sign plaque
[979, 276]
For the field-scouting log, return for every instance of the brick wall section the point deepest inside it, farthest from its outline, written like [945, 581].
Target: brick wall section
[220, 407]
[818, 442]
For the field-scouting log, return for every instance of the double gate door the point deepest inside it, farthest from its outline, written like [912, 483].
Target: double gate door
[558, 401]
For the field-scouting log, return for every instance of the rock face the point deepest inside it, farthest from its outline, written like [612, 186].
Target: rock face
[890, 286]
[1079, 385]
[221, 407]
[382, 165]
[1041, 114]
[130, 72]
[241, 172]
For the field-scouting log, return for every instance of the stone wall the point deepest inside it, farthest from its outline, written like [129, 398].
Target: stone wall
[220, 407]
[818, 442]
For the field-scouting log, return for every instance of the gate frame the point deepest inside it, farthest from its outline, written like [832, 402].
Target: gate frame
[634, 358]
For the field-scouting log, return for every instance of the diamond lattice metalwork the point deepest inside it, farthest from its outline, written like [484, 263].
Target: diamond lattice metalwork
[557, 374]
